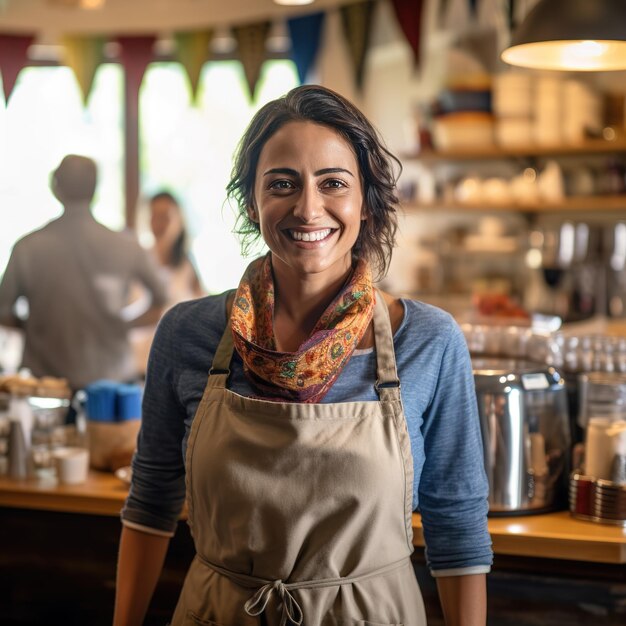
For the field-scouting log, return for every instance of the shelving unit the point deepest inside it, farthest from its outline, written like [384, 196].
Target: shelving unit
[492, 152]
[612, 204]
[591, 147]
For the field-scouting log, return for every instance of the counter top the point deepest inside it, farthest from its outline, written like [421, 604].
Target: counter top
[552, 535]
[102, 494]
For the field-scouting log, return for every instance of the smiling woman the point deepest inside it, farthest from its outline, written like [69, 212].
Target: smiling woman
[309, 214]
[304, 456]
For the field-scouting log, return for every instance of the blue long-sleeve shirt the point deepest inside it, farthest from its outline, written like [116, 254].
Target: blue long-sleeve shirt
[450, 488]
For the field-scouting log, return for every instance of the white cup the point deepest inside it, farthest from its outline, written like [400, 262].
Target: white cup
[72, 465]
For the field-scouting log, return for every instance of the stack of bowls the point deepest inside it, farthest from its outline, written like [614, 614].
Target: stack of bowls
[597, 500]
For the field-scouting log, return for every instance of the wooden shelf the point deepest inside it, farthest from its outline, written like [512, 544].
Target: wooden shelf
[489, 152]
[573, 204]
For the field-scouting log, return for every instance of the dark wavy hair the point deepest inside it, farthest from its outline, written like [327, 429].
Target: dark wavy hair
[312, 103]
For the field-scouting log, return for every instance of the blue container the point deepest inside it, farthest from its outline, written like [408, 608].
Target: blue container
[101, 400]
[128, 402]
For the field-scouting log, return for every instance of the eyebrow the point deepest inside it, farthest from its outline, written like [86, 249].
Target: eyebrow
[326, 170]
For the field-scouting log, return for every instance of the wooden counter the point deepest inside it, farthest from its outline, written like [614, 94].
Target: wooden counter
[552, 536]
[102, 494]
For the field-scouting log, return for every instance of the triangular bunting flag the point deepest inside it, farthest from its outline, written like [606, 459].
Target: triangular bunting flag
[305, 35]
[136, 52]
[251, 50]
[83, 55]
[192, 51]
[442, 10]
[13, 49]
[409, 14]
[357, 26]
[511, 15]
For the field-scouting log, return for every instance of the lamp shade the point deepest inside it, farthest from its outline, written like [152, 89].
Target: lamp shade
[578, 35]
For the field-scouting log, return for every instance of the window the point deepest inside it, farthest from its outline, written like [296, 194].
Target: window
[188, 150]
[45, 120]
[184, 148]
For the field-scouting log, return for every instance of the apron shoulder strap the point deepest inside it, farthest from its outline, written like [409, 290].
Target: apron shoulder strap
[220, 367]
[387, 383]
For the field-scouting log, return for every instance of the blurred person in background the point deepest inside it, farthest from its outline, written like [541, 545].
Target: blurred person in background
[177, 272]
[170, 248]
[74, 274]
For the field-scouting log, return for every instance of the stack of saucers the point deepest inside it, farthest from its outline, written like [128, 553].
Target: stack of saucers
[597, 500]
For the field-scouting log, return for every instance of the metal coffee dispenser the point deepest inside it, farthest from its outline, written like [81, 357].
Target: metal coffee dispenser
[526, 436]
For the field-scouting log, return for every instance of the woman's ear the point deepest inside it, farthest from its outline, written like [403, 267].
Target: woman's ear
[364, 212]
[252, 213]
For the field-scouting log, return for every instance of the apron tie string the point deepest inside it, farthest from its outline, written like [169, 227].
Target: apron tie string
[291, 609]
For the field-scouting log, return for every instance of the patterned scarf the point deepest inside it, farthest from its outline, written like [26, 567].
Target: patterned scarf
[307, 374]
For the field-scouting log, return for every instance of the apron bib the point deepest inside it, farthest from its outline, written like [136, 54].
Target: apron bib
[301, 513]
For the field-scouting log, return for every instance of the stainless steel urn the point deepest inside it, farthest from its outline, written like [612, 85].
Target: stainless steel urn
[526, 436]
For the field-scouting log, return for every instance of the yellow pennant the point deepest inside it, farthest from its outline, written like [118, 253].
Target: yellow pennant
[83, 55]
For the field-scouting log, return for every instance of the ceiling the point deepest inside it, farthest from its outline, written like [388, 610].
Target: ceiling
[50, 18]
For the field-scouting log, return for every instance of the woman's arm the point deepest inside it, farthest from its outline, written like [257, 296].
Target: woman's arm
[463, 599]
[139, 566]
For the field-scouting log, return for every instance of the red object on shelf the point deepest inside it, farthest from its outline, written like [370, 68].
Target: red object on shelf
[498, 305]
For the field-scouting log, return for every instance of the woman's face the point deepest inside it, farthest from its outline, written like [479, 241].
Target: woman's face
[308, 199]
[165, 220]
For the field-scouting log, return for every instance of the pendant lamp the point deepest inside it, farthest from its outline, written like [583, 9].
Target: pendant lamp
[571, 35]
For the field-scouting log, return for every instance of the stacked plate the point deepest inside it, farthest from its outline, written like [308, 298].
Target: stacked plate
[597, 500]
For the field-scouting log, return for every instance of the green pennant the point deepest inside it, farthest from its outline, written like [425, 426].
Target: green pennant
[192, 51]
[251, 50]
[357, 25]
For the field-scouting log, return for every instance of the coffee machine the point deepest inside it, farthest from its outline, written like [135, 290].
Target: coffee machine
[526, 435]
[565, 273]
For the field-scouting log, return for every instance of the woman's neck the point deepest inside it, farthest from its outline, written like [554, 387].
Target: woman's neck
[299, 304]
[163, 252]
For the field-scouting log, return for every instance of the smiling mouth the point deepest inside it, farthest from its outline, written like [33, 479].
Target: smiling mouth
[315, 235]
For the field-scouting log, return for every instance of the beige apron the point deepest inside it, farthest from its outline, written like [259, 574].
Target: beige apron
[301, 513]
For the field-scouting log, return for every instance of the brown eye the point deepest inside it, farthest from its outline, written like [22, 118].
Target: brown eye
[334, 183]
[281, 185]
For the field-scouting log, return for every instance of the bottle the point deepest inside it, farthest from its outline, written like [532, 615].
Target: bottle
[18, 454]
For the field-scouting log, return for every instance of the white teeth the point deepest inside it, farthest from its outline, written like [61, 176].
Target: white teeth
[317, 235]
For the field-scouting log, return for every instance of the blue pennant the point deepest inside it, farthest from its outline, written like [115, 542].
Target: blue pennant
[305, 39]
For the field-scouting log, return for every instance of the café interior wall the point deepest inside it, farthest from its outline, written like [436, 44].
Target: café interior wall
[390, 96]
[392, 89]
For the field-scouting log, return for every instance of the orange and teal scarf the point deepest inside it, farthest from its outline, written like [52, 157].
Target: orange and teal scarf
[307, 374]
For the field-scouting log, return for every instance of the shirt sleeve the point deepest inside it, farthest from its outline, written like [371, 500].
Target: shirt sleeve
[10, 290]
[157, 490]
[147, 273]
[453, 490]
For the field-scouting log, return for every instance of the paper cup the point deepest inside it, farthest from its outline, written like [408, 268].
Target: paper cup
[72, 465]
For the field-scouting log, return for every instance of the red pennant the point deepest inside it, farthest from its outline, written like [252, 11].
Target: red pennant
[409, 14]
[135, 55]
[13, 50]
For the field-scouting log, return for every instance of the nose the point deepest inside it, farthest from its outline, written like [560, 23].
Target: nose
[309, 204]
